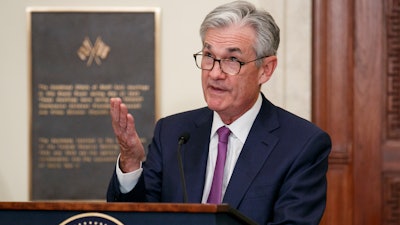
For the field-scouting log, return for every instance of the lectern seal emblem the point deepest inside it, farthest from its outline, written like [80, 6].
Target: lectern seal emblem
[91, 218]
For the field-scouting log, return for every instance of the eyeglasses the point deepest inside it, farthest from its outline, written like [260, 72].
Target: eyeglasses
[230, 66]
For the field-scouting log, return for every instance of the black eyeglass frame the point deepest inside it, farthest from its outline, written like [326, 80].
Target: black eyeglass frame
[219, 61]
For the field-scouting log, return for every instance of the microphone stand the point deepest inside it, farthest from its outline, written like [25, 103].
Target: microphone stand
[182, 140]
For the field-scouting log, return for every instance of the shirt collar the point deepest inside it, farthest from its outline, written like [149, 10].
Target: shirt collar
[240, 127]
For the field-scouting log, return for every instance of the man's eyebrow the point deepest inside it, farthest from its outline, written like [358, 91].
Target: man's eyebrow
[230, 50]
[207, 46]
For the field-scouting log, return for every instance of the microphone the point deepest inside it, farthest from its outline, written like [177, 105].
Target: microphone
[183, 138]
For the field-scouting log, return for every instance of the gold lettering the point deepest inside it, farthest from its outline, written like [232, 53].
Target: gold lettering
[46, 99]
[133, 93]
[86, 140]
[100, 106]
[101, 99]
[56, 112]
[61, 140]
[61, 87]
[66, 99]
[141, 87]
[50, 93]
[52, 106]
[105, 87]
[78, 106]
[76, 112]
[86, 99]
[119, 87]
[82, 87]
[86, 147]
[80, 93]
[111, 93]
[64, 93]
[134, 106]
[43, 87]
[134, 99]
[99, 159]
[43, 112]
[70, 152]
[97, 94]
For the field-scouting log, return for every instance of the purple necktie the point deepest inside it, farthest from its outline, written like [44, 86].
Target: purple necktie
[215, 196]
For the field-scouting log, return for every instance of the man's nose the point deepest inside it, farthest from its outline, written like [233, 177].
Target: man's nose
[216, 70]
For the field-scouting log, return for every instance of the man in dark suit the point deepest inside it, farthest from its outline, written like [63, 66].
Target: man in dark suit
[276, 162]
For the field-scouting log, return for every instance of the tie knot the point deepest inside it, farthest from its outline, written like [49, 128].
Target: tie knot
[223, 134]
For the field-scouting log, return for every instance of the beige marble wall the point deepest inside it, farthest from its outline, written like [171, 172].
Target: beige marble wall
[180, 87]
[290, 86]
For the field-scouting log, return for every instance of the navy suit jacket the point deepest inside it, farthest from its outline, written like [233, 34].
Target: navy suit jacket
[279, 177]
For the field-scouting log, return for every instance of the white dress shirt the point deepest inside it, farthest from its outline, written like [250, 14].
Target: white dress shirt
[240, 129]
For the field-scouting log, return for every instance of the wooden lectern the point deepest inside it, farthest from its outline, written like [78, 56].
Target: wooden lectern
[101, 213]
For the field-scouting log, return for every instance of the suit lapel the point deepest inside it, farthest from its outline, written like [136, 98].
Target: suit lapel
[259, 144]
[195, 156]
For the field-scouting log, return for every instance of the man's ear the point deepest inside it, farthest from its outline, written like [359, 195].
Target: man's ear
[267, 69]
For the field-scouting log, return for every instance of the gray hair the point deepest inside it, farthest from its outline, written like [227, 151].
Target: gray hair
[245, 13]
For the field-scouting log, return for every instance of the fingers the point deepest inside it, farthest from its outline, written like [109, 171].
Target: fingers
[118, 113]
[130, 125]
[129, 137]
[114, 109]
[133, 139]
[124, 128]
[123, 113]
[122, 121]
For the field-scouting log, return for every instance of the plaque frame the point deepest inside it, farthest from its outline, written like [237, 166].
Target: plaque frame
[68, 15]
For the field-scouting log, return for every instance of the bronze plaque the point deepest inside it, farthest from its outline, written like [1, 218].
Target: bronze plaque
[79, 60]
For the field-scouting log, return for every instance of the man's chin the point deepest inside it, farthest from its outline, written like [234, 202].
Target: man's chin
[215, 106]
